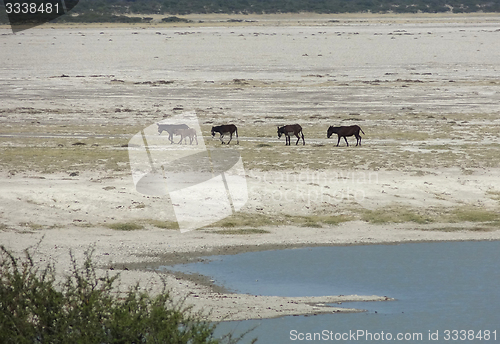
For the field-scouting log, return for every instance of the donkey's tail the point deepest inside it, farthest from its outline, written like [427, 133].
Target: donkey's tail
[362, 131]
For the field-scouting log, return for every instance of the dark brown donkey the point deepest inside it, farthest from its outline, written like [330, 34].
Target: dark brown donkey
[288, 130]
[226, 129]
[344, 132]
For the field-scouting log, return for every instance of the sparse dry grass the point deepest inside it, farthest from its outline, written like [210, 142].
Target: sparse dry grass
[460, 214]
[242, 220]
[41, 155]
[163, 224]
[409, 145]
[125, 226]
[451, 229]
[472, 214]
[243, 231]
[486, 219]
[33, 226]
[394, 214]
[102, 148]
[142, 224]
[250, 223]
[494, 195]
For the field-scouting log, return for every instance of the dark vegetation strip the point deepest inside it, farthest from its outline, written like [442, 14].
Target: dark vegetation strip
[122, 10]
[283, 6]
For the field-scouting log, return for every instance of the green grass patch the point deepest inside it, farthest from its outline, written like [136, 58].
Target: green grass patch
[240, 220]
[402, 214]
[36, 226]
[394, 214]
[311, 224]
[57, 159]
[318, 221]
[60, 153]
[163, 224]
[140, 224]
[125, 226]
[32, 225]
[332, 220]
[242, 231]
[473, 214]
[246, 220]
[457, 229]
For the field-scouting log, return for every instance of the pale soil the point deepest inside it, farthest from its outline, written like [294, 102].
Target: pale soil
[425, 94]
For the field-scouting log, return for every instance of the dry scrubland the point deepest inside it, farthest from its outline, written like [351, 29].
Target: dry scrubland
[423, 89]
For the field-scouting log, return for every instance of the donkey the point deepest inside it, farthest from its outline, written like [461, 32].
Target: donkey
[344, 132]
[226, 129]
[170, 128]
[288, 130]
[185, 133]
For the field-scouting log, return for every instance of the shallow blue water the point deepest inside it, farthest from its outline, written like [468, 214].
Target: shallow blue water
[438, 286]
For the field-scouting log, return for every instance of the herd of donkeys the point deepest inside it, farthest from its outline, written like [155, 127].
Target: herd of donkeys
[294, 129]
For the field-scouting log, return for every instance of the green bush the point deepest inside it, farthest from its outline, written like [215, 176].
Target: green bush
[174, 19]
[84, 308]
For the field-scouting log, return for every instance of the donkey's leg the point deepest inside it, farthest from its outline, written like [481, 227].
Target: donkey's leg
[358, 139]
[221, 136]
[230, 138]
[345, 138]
[338, 141]
[237, 139]
[298, 139]
[303, 141]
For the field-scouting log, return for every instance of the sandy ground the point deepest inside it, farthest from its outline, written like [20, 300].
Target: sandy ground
[423, 88]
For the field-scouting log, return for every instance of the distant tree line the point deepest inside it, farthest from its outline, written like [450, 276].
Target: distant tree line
[123, 10]
[180, 7]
